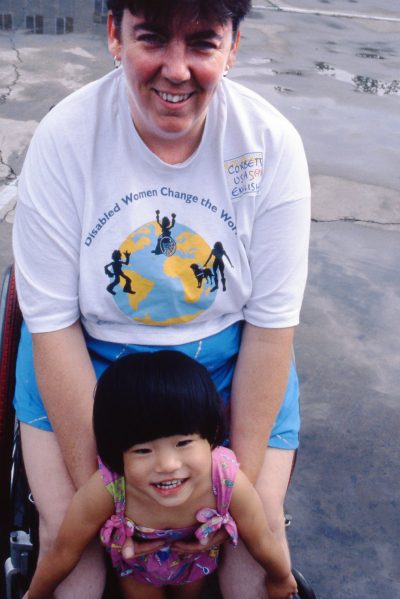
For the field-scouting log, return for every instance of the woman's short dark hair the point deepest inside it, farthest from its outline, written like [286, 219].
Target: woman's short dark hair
[162, 11]
[151, 395]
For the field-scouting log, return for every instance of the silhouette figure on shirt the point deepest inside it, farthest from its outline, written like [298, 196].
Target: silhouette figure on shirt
[114, 269]
[202, 274]
[218, 265]
[165, 244]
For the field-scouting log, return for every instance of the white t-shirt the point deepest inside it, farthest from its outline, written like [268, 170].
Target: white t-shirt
[230, 241]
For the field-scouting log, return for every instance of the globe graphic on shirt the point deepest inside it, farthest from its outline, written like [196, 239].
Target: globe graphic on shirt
[161, 272]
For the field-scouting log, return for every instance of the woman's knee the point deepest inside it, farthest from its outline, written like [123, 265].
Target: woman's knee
[239, 575]
[49, 481]
[48, 530]
[276, 518]
[272, 485]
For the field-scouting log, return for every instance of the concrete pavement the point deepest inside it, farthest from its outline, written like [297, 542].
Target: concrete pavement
[333, 68]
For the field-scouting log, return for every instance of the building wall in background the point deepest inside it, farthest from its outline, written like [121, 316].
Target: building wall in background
[52, 16]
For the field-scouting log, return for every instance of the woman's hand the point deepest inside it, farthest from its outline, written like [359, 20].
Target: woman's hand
[131, 548]
[217, 538]
[281, 588]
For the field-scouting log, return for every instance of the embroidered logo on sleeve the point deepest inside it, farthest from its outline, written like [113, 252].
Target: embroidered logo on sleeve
[244, 174]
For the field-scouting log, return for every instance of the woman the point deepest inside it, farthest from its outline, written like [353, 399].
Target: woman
[167, 132]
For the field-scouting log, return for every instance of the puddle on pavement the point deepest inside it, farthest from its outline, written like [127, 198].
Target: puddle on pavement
[362, 83]
[370, 53]
[290, 72]
[283, 90]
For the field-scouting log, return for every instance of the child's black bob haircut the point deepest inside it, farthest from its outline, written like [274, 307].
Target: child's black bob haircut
[150, 395]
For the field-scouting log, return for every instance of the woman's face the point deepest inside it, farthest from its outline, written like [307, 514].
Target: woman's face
[171, 73]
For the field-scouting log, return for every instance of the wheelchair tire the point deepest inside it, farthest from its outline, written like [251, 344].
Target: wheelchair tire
[10, 324]
[305, 590]
[168, 246]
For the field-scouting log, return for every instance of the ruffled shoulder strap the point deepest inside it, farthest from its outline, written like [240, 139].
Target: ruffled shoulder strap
[224, 470]
[115, 484]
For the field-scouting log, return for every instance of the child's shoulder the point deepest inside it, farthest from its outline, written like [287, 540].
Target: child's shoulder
[224, 455]
[224, 468]
[107, 475]
[114, 482]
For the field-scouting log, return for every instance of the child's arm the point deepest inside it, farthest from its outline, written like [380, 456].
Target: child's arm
[89, 509]
[247, 511]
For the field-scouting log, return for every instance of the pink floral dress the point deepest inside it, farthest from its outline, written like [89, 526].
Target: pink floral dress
[165, 566]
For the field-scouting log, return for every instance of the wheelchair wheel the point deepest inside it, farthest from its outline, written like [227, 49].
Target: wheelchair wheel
[168, 246]
[23, 537]
[10, 323]
[304, 588]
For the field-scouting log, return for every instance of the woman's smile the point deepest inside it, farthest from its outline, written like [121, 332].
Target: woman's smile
[173, 98]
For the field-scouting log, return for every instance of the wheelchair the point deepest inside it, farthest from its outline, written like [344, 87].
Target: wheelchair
[18, 517]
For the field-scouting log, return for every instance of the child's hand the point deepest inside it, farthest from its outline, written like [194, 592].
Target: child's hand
[132, 549]
[281, 589]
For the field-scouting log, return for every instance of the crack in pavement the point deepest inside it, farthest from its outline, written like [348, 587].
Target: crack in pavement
[352, 219]
[5, 96]
[12, 175]
[4, 217]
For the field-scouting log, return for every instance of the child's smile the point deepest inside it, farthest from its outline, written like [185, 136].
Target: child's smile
[170, 487]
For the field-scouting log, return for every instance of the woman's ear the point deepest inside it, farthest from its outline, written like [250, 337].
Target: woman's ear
[114, 37]
[234, 49]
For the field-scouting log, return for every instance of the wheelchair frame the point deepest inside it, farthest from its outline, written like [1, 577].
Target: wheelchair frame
[18, 518]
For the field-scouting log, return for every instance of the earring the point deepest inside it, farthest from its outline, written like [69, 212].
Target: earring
[117, 62]
[224, 74]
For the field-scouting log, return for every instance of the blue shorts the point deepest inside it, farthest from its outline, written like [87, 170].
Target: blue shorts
[218, 353]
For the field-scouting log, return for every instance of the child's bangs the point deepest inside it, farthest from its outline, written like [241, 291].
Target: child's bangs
[152, 395]
[180, 405]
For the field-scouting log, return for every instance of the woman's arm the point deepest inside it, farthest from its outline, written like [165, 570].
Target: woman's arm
[208, 259]
[66, 381]
[229, 260]
[248, 513]
[89, 509]
[258, 388]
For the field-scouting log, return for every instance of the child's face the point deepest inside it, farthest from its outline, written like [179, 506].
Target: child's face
[168, 470]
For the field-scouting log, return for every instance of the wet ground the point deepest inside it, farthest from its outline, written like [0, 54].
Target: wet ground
[333, 68]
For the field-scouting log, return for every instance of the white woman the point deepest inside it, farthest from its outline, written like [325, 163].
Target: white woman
[167, 132]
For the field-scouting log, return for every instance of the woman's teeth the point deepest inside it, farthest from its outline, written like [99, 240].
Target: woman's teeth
[173, 98]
